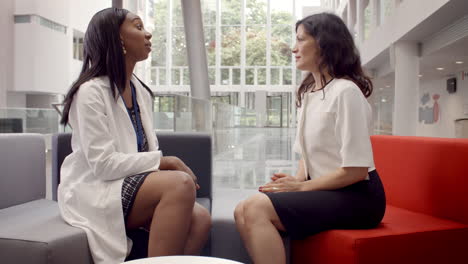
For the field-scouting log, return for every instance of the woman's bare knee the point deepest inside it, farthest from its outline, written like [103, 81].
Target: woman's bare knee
[239, 213]
[154, 188]
[182, 185]
[260, 209]
[202, 217]
[256, 209]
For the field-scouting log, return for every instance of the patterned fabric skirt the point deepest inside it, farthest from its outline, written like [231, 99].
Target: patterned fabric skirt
[130, 188]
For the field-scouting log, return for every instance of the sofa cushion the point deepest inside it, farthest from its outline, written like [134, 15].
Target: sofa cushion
[424, 174]
[22, 168]
[402, 237]
[34, 232]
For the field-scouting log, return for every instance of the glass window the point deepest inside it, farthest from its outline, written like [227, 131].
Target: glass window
[223, 99]
[164, 103]
[274, 76]
[256, 12]
[22, 19]
[281, 42]
[176, 76]
[231, 12]
[186, 75]
[153, 75]
[179, 47]
[158, 54]
[250, 100]
[256, 46]
[160, 10]
[367, 20]
[249, 76]
[230, 48]
[298, 77]
[274, 108]
[225, 76]
[386, 10]
[162, 76]
[236, 78]
[177, 15]
[281, 12]
[212, 75]
[210, 44]
[261, 76]
[287, 76]
[209, 12]
[78, 45]
[286, 109]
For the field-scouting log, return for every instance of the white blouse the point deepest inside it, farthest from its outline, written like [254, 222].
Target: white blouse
[334, 129]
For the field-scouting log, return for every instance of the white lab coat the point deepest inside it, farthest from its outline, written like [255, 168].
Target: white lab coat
[104, 153]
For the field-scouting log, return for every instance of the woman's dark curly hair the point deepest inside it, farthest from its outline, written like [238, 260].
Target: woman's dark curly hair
[337, 51]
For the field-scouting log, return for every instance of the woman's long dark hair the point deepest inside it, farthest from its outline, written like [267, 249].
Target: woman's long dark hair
[337, 51]
[103, 55]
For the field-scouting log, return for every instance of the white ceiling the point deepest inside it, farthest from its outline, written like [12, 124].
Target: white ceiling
[445, 58]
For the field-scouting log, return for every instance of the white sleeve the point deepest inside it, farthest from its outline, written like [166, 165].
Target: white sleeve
[351, 129]
[98, 144]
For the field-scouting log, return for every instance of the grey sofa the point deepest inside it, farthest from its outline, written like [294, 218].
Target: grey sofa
[31, 229]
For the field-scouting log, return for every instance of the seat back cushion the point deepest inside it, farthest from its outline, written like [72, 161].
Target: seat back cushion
[22, 168]
[193, 148]
[424, 174]
[61, 147]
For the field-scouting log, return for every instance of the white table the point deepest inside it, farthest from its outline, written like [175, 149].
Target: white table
[182, 260]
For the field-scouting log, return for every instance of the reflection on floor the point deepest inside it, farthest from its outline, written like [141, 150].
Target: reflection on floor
[245, 158]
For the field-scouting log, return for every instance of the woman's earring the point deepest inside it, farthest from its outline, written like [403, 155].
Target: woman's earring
[123, 47]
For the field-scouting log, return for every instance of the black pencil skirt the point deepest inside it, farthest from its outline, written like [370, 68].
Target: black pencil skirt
[358, 206]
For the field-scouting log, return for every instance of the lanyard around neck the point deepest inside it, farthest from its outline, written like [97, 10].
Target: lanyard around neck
[138, 126]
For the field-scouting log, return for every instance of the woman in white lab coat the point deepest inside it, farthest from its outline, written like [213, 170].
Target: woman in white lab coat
[116, 179]
[336, 185]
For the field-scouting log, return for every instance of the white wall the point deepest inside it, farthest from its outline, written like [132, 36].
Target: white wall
[42, 59]
[55, 10]
[451, 107]
[6, 50]
[81, 13]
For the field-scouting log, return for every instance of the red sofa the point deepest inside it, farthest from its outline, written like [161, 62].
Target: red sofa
[426, 184]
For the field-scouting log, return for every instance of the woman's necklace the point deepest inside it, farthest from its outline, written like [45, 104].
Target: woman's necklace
[325, 85]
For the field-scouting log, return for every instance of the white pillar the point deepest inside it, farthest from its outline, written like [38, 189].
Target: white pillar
[196, 52]
[360, 21]
[241, 102]
[198, 65]
[405, 113]
[261, 107]
[6, 52]
[351, 17]
[375, 7]
[117, 3]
